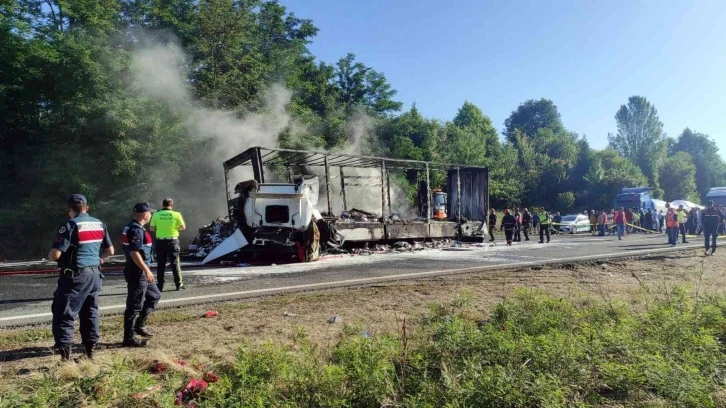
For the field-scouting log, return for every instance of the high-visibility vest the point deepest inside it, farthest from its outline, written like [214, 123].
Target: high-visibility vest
[671, 220]
[681, 217]
[544, 218]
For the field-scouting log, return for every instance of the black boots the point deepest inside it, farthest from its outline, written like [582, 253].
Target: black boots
[140, 327]
[89, 350]
[64, 351]
[130, 326]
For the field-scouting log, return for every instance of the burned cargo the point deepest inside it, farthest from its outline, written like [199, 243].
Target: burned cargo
[284, 221]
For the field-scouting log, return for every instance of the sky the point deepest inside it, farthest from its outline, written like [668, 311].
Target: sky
[587, 56]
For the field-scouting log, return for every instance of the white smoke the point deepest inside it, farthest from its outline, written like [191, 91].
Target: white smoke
[159, 72]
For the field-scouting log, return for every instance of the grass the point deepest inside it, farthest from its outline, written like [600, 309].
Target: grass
[533, 349]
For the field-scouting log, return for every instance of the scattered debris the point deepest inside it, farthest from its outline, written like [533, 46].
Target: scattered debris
[211, 313]
[158, 367]
[210, 377]
[210, 236]
[335, 320]
[192, 390]
[288, 314]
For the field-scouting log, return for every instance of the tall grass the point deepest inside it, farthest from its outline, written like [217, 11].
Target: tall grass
[533, 350]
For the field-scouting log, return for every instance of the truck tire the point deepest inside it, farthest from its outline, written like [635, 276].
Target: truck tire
[312, 243]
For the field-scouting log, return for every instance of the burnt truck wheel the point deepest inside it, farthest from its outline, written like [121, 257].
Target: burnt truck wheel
[312, 243]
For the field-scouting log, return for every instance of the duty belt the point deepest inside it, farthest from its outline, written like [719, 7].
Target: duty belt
[168, 239]
[72, 273]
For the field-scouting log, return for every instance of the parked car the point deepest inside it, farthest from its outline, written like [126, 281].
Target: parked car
[574, 223]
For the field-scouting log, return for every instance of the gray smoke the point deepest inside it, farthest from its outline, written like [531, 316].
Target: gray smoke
[160, 73]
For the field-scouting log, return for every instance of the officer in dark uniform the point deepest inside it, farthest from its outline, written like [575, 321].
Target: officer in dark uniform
[143, 294]
[526, 223]
[79, 248]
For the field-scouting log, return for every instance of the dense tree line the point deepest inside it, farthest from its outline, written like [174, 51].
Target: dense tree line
[77, 119]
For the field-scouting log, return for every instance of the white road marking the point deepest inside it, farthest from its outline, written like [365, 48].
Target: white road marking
[376, 279]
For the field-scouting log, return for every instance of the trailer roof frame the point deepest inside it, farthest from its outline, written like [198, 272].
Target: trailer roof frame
[290, 157]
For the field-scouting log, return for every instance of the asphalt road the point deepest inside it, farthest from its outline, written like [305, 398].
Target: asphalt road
[26, 299]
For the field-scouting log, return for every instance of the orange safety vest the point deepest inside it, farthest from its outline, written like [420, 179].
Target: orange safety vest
[671, 219]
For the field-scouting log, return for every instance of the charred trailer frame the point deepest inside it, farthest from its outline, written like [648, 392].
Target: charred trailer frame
[467, 188]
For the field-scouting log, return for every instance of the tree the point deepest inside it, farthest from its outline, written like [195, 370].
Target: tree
[531, 116]
[710, 168]
[640, 136]
[363, 87]
[608, 174]
[678, 177]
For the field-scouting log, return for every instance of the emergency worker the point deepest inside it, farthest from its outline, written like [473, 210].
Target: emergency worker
[508, 225]
[143, 294]
[80, 246]
[544, 228]
[492, 223]
[712, 218]
[517, 226]
[526, 223]
[682, 219]
[671, 221]
[167, 223]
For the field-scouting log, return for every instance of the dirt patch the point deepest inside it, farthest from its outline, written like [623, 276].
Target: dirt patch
[182, 334]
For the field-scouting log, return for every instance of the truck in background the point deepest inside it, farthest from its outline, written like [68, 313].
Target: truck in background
[638, 198]
[718, 195]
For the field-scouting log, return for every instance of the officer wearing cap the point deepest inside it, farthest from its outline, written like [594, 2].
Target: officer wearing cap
[143, 294]
[76, 248]
[167, 223]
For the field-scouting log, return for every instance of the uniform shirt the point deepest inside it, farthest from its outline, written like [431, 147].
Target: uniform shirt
[508, 222]
[544, 218]
[711, 218]
[492, 220]
[167, 223]
[135, 238]
[526, 219]
[81, 240]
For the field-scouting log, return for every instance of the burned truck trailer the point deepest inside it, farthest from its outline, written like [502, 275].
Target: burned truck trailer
[282, 216]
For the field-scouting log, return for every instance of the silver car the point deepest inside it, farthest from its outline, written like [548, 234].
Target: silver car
[574, 223]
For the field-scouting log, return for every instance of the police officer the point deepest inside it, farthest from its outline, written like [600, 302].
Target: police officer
[518, 226]
[712, 217]
[492, 223]
[526, 223]
[544, 229]
[682, 218]
[143, 294]
[77, 247]
[167, 223]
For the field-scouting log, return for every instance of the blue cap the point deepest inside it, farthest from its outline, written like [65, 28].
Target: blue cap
[77, 199]
[142, 207]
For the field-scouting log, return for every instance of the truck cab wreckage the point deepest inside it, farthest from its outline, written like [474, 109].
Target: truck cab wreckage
[282, 222]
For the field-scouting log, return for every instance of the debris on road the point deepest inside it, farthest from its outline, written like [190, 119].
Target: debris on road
[335, 320]
[210, 236]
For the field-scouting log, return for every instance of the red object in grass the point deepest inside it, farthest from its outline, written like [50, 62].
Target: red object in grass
[158, 367]
[211, 313]
[182, 362]
[210, 377]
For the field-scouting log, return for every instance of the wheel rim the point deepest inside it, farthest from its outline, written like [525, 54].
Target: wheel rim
[574, 230]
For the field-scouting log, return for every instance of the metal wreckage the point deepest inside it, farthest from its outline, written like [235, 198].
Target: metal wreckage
[280, 221]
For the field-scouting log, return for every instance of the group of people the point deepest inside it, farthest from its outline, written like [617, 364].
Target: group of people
[521, 222]
[711, 221]
[80, 248]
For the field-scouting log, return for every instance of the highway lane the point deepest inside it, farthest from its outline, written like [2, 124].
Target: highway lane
[27, 298]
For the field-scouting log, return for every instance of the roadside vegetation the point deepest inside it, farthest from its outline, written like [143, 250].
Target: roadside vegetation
[532, 349]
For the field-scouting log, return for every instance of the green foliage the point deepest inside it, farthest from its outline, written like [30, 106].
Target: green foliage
[77, 118]
[710, 167]
[534, 349]
[566, 201]
[678, 176]
[640, 136]
[532, 116]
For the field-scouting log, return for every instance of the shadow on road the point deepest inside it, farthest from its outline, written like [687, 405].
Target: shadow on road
[35, 352]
